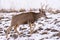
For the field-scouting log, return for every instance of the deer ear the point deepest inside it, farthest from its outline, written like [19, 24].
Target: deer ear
[39, 10]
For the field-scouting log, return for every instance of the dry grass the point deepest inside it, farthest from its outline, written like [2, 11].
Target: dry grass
[43, 7]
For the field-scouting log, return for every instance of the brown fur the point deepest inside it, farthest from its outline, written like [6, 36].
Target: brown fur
[25, 18]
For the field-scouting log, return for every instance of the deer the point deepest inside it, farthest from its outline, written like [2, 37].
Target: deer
[25, 18]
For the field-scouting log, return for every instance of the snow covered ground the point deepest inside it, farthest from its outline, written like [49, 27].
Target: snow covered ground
[45, 29]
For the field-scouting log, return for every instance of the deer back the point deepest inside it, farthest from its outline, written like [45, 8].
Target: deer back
[22, 18]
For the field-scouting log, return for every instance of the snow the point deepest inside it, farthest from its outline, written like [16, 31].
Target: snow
[36, 36]
[46, 23]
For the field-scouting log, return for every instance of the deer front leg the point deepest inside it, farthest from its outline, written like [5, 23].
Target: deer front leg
[31, 28]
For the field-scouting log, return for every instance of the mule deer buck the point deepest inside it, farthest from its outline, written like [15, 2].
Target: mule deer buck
[25, 18]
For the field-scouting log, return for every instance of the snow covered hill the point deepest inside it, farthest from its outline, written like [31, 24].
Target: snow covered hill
[45, 29]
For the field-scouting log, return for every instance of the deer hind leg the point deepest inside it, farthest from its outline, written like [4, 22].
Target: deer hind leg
[15, 28]
[8, 31]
